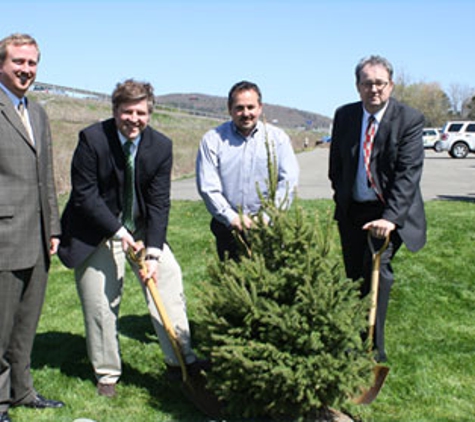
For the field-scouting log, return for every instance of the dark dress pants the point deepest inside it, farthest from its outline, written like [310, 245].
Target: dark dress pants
[225, 240]
[21, 299]
[358, 262]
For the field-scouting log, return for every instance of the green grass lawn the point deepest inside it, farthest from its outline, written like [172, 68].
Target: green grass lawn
[430, 332]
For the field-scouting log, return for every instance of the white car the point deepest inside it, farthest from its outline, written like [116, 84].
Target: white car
[430, 135]
[458, 138]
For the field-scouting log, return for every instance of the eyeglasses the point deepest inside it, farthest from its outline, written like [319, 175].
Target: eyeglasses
[380, 85]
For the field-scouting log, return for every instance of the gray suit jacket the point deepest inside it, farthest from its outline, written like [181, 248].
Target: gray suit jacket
[396, 165]
[28, 204]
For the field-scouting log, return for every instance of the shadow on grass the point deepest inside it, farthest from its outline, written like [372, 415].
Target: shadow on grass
[140, 328]
[462, 198]
[137, 327]
[67, 352]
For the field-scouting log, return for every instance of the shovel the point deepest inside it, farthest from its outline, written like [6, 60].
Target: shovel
[380, 371]
[194, 388]
[139, 259]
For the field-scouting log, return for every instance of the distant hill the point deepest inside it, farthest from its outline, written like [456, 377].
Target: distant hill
[214, 106]
[207, 105]
[70, 110]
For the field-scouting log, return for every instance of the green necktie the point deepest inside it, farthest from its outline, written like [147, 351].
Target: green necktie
[128, 211]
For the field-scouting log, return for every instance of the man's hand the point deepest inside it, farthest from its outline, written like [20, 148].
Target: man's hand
[129, 242]
[53, 245]
[380, 228]
[151, 271]
[241, 223]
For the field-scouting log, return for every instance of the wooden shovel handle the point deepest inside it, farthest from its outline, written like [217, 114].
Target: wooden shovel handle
[139, 259]
[376, 258]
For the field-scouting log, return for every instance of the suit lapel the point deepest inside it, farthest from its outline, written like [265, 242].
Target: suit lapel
[35, 122]
[116, 155]
[144, 147]
[380, 144]
[143, 156]
[354, 138]
[383, 131]
[11, 115]
[356, 134]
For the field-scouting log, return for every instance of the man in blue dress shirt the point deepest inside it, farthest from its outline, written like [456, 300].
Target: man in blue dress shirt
[232, 161]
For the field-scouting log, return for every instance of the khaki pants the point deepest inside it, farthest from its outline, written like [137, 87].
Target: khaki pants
[99, 282]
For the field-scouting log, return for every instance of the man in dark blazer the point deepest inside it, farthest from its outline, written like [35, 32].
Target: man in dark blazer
[385, 198]
[29, 223]
[96, 233]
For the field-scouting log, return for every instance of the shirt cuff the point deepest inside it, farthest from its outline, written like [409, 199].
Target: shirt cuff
[229, 215]
[155, 252]
[119, 234]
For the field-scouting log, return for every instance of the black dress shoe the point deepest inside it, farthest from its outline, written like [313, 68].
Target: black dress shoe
[39, 402]
[4, 417]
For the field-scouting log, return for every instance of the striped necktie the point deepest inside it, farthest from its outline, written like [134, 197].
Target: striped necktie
[368, 148]
[128, 209]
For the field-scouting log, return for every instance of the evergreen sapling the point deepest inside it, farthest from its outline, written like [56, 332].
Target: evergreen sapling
[282, 325]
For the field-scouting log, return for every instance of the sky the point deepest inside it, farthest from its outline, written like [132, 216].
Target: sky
[301, 53]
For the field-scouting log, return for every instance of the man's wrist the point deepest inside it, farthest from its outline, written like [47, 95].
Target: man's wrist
[119, 234]
[153, 254]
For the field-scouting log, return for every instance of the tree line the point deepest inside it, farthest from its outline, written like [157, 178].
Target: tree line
[437, 105]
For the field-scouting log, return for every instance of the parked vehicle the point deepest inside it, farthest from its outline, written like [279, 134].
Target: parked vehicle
[430, 135]
[323, 140]
[458, 138]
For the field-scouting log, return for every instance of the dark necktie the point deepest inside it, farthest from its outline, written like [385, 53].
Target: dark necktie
[368, 148]
[128, 211]
[25, 120]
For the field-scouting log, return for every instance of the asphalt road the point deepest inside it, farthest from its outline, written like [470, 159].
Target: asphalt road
[443, 178]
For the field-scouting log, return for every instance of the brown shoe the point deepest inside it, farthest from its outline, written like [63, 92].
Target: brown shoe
[107, 390]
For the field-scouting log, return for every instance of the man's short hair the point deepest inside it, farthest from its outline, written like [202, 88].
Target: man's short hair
[16, 39]
[373, 60]
[132, 90]
[243, 86]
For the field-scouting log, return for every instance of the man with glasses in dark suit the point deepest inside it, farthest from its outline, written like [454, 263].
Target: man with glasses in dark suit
[375, 168]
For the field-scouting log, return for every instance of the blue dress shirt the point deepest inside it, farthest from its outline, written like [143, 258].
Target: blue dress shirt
[229, 167]
[362, 191]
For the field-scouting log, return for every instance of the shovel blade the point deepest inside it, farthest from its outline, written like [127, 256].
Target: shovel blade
[195, 390]
[368, 396]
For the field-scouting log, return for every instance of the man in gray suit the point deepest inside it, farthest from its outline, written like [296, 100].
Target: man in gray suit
[377, 190]
[29, 223]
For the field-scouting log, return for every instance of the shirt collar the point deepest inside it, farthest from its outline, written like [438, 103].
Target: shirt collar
[236, 131]
[135, 141]
[377, 116]
[13, 98]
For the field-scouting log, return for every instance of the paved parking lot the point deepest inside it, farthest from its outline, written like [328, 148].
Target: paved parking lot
[443, 177]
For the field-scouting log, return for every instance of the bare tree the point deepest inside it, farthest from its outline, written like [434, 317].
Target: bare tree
[401, 82]
[470, 108]
[460, 95]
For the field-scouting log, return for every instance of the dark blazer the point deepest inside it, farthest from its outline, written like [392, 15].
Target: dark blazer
[396, 165]
[93, 211]
[28, 204]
